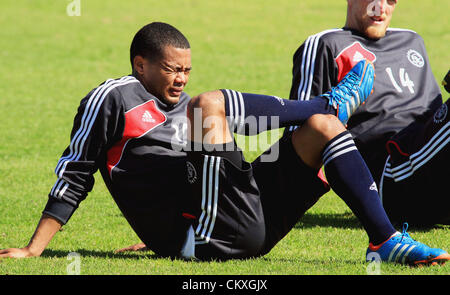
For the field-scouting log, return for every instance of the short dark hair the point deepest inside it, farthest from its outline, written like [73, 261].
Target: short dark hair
[150, 41]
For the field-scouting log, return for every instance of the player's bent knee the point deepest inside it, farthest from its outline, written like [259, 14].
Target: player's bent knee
[210, 103]
[326, 126]
[206, 118]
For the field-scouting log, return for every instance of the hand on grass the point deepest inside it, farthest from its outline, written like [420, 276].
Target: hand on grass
[46, 229]
[15, 253]
[137, 247]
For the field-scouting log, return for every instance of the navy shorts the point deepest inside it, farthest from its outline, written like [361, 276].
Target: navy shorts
[243, 212]
[413, 185]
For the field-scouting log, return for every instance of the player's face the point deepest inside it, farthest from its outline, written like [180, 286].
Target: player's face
[371, 17]
[166, 78]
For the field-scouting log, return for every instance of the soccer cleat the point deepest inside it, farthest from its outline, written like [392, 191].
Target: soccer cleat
[401, 248]
[352, 91]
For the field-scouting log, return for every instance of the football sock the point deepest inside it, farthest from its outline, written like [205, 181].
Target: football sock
[250, 114]
[349, 177]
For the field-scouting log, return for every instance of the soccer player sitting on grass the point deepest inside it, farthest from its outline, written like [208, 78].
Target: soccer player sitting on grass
[402, 132]
[191, 194]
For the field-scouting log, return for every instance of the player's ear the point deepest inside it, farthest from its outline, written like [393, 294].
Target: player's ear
[138, 64]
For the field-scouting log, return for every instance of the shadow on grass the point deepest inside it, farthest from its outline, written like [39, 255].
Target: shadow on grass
[316, 261]
[101, 254]
[341, 220]
[49, 253]
[348, 220]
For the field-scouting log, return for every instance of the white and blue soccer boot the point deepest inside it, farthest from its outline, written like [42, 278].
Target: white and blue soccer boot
[401, 248]
[352, 90]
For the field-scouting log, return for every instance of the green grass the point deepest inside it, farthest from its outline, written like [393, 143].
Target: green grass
[50, 61]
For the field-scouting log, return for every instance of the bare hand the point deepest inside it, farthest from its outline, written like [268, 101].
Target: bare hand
[15, 253]
[137, 247]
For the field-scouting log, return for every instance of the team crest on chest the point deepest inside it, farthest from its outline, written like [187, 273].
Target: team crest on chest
[440, 114]
[415, 58]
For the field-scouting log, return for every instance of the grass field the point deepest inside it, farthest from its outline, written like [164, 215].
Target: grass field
[50, 60]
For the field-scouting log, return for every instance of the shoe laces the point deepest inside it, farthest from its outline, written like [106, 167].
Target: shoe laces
[406, 236]
[339, 93]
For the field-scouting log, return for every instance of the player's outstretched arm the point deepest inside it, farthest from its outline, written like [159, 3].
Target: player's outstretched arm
[46, 229]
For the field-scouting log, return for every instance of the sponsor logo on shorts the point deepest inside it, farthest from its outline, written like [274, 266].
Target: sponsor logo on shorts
[415, 58]
[191, 172]
[440, 114]
[373, 187]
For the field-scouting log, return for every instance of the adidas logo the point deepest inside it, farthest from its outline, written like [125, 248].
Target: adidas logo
[358, 57]
[279, 99]
[147, 117]
[373, 187]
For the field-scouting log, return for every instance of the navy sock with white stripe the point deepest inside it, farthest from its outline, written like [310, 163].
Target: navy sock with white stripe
[250, 114]
[352, 181]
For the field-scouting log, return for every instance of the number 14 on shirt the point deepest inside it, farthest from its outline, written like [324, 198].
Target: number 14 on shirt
[405, 81]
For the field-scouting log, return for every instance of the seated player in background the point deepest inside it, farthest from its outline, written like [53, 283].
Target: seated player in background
[402, 132]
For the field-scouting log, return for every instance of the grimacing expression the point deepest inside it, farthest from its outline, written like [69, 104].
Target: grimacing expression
[167, 76]
[370, 17]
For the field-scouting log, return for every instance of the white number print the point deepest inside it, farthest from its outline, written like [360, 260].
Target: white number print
[405, 81]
